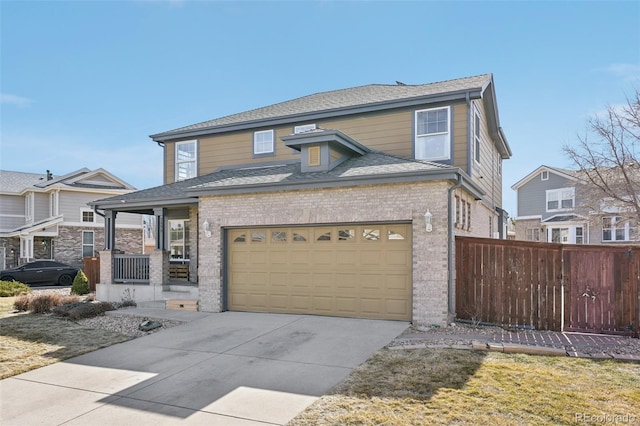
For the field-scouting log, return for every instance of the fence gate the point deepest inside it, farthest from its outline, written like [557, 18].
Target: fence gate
[602, 289]
[520, 283]
[92, 271]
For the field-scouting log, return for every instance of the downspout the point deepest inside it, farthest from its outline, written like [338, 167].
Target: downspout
[450, 266]
[451, 238]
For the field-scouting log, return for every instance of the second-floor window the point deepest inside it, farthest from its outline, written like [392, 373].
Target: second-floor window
[53, 204]
[476, 137]
[186, 160]
[616, 228]
[87, 216]
[263, 142]
[28, 207]
[560, 199]
[432, 135]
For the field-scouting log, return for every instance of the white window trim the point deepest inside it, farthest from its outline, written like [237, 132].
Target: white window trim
[264, 152]
[544, 175]
[26, 247]
[304, 128]
[559, 191]
[28, 207]
[82, 211]
[93, 243]
[416, 136]
[614, 228]
[54, 203]
[477, 136]
[571, 233]
[194, 161]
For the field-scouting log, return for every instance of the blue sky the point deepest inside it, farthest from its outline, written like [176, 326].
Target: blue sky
[84, 83]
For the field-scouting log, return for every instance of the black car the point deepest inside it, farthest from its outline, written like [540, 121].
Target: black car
[41, 272]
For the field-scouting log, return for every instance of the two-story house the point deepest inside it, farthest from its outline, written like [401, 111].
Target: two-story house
[342, 203]
[47, 217]
[557, 205]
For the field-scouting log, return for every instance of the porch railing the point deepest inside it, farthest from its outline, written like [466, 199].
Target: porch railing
[131, 268]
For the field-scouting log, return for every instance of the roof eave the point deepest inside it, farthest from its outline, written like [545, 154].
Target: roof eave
[425, 175]
[129, 205]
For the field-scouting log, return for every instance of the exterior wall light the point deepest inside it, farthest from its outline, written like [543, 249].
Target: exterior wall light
[427, 220]
[207, 228]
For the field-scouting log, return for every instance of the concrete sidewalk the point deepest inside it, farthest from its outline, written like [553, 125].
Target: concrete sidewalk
[231, 368]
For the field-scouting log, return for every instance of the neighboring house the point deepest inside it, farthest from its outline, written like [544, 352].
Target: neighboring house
[555, 205]
[341, 203]
[47, 217]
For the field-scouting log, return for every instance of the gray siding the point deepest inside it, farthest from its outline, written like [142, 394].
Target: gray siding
[71, 205]
[41, 206]
[532, 195]
[11, 212]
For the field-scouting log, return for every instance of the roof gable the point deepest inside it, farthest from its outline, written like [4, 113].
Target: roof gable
[564, 173]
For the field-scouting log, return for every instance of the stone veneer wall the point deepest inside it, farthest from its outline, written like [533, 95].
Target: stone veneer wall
[68, 243]
[383, 203]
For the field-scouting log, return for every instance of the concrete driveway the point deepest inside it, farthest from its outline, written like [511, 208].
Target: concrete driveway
[232, 368]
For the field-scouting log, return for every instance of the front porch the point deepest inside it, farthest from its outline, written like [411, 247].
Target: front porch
[149, 280]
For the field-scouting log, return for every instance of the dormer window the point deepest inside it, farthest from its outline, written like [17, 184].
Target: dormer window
[304, 128]
[432, 134]
[263, 143]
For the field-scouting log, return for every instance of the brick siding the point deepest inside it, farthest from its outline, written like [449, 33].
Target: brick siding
[379, 203]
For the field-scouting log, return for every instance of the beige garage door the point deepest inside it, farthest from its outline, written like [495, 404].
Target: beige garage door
[361, 271]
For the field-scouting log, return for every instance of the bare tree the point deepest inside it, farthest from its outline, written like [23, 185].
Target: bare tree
[607, 159]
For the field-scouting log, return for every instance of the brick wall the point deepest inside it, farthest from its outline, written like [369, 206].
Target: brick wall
[393, 202]
[68, 243]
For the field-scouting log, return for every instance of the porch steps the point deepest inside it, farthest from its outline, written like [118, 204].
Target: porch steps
[182, 305]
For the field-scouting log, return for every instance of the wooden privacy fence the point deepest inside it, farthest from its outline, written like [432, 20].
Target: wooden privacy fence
[548, 286]
[92, 271]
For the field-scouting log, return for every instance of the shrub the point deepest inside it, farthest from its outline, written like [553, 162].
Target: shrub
[80, 283]
[43, 303]
[79, 310]
[13, 288]
[21, 303]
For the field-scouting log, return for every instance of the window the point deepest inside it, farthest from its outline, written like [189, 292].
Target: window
[532, 234]
[87, 243]
[346, 234]
[560, 199]
[87, 216]
[371, 234]
[28, 207]
[544, 175]
[579, 235]
[26, 247]
[432, 134]
[186, 160]
[279, 236]
[615, 228]
[53, 204]
[263, 142]
[179, 239]
[476, 137]
[560, 235]
[304, 128]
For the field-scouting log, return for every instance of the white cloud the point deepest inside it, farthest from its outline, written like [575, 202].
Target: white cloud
[6, 98]
[627, 72]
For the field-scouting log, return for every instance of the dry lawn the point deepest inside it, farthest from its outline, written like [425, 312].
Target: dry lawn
[29, 341]
[459, 387]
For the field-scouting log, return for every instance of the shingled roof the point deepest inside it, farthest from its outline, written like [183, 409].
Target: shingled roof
[372, 167]
[382, 95]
